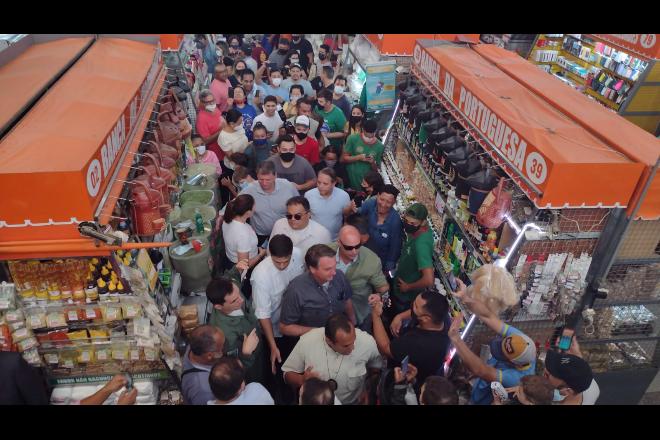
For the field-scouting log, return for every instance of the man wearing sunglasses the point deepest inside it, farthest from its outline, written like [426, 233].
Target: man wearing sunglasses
[363, 270]
[299, 226]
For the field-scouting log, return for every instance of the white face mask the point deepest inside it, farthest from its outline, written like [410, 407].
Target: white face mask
[210, 107]
[294, 99]
[295, 61]
[276, 81]
[201, 149]
[339, 90]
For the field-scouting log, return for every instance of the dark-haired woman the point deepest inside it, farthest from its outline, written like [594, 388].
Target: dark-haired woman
[240, 238]
[354, 123]
[232, 140]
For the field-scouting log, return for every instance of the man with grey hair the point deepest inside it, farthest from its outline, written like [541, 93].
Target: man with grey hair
[205, 348]
[270, 196]
[210, 122]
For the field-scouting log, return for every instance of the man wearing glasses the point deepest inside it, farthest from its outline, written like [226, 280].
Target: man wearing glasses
[363, 270]
[299, 226]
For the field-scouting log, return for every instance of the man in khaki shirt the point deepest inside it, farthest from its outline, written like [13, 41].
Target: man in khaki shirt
[338, 352]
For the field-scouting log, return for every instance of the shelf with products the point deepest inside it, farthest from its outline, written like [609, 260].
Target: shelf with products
[599, 67]
[602, 99]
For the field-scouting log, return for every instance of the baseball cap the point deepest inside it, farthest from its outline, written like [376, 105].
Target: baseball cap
[302, 120]
[572, 369]
[518, 349]
[295, 65]
[246, 48]
[417, 211]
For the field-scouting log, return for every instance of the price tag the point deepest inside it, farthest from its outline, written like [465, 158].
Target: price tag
[84, 356]
[68, 363]
[150, 355]
[35, 322]
[118, 355]
[90, 313]
[135, 355]
[51, 358]
[102, 355]
[72, 315]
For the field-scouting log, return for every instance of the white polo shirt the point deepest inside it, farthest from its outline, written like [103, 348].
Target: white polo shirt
[269, 284]
[303, 239]
[349, 371]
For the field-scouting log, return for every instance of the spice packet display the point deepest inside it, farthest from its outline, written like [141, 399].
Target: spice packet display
[99, 335]
[57, 338]
[111, 313]
[56, 319]
[78, 336]
[21, 334]
[7, 296]
[120, 351]
[68, 359]
[32, 357]
[131, 308]
[5, 338]
[26, 344]
[74, 315]
[36, 319]
[14, 316]
[92, 313]
[14, 326]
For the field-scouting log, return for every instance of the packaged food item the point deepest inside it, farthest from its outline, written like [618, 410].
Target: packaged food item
[105, 275]
[131, 309]
[111, 313]
[80, 335]
[150, 354]
[99, 334]
[14, 316]
[102, 354]
[13, 326]
[142, 328]
[74, 315]
[68, 359]
[188, 312]
[27, 344]
[134, 354]
[92, 313]
[58, 336]
[51, 358]
[79, 296]
[120, 288]
[20, 335]
[37, 319]
[31, 356]
[56, 319]
[85, 355]
[120, 351]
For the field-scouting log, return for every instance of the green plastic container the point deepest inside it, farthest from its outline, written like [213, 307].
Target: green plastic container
[203, 168]
[193, 266]
[199, 197]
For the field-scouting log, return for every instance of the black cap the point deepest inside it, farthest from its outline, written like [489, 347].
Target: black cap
[573, 370]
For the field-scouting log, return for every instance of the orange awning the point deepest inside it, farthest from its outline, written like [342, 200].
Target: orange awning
[403, 44]
[26, 76]
[556, 161]
[612, 129]
[57, 162]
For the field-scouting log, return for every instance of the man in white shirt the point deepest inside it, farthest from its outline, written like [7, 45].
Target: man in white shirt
[299, 226]
[270, 118]
[328, 203]
[296, 78]
[227, 380]
[571, 376]
[338, 352]
[269, 281]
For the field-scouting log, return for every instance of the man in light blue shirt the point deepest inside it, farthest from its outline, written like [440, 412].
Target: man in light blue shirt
[513, 354]
[296, 78]
[206, 345]
[275, 87]
[328, 203]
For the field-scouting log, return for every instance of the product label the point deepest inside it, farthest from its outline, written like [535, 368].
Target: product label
[35, 321]
[135, 355]
[73, 315]
[84, 356]
[90, 313]
[102, 355]
[51, 358]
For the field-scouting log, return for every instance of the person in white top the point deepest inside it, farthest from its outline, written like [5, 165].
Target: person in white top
[232, 138]
[269, 281]
[328, 203]
[571, 376]
[227, 380]
[338, 352]
[270, 118]
[240, 238]
[299, 227]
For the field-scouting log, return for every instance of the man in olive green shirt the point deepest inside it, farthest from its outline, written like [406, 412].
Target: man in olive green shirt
[363, 270]
[363, 152]
[414, 272]
[236, 319]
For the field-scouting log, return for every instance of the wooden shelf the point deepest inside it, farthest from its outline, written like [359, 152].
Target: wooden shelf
[599, 67]
[602, 99]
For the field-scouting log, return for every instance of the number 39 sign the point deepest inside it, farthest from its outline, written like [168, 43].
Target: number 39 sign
[537, 169]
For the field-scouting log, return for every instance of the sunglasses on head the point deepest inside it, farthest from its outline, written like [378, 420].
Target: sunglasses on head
[350, 248]
[296, 216]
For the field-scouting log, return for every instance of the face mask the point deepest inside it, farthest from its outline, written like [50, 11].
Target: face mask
[259, 142]
[301, 136]
[282, 51]
[201, 149]
[210, 107]
[219, 53]
[557, 397]
[331, 163]
[294, 99]
[287, 157]
[295, 38]
[295, 61]
[322, 56]
[339, 90]
[368, 141]
[410, 229]
[355, 119]
[276, 81]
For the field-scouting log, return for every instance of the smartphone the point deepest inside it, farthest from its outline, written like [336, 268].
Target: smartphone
[566, 339]
[257, 93]
[129, 382]
[404, 365]
[391, 274]
[452, 281]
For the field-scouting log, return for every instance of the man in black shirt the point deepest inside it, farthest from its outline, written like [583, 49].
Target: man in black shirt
[19, 382]
[424, 340]
[304, 48]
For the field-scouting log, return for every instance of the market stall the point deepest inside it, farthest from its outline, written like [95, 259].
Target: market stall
[85, 300]
[469, 120]
[619, 71]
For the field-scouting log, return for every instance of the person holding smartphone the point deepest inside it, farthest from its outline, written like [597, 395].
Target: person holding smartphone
[570, 375]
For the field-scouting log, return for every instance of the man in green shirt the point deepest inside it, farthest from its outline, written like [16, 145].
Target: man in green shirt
[236, 319]
[414, 272]
[333, 116]
[363, 152]
[363, 270]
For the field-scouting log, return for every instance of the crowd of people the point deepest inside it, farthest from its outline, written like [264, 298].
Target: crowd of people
[324, 294]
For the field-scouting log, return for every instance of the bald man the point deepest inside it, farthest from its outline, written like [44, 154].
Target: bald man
[363, 270]
[206, 347]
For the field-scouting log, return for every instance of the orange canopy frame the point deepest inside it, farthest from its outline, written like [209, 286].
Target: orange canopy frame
[57, 162]
[403, 44]
[555, 160]
[26, 76]
[615, 131]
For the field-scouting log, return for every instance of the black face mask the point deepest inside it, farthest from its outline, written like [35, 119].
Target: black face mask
[287, 157]
[322, 56]
[355, 119]
[282, 51]
[301, 136]
[410, 229]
